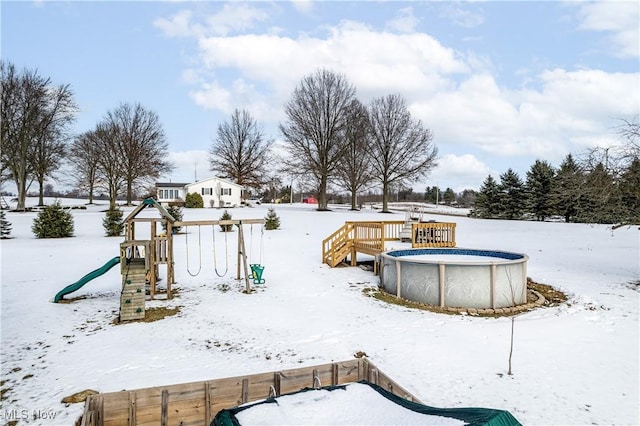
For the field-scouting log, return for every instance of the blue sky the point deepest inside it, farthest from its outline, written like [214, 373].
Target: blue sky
[500, 84]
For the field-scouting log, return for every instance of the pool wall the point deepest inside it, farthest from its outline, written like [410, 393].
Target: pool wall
[498, 282]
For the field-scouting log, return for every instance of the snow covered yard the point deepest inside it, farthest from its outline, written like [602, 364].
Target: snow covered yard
[573, 364]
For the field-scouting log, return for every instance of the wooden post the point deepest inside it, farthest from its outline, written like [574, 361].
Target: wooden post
[492, 291]
[244, 259]
[164, 409]
[152, 259]
[240, 251]
[132, 409]
[170, 272]
[441, 275]
[398, 278]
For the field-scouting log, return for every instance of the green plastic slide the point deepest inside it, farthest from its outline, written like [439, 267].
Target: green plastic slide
[82, 281]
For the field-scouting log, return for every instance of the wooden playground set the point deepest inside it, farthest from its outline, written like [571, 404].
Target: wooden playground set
[140, 259]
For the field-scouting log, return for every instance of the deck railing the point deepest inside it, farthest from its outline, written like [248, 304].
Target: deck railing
[197, 403]
[433, 234]
[369, 237]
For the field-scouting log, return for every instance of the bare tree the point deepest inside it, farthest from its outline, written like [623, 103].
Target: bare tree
[111, 168]
[240, 151]
[401, 148]
[84, 154]
[141, 142]
[34, 118]
[317, 114]
[629, 132]
[354, 171]
[49, 148]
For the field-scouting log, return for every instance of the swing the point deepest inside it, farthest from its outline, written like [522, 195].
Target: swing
[256, 268]
[226, 254]
[186, 240]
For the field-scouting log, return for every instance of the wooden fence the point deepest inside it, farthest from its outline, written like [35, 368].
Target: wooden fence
[195, 404]
[433, 234]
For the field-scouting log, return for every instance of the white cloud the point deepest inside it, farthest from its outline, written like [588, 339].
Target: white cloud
[372, 61]
[233, 17]
[190, 165]
[618, 18]
[459, 172]
[461, 16]
[405, 22]
[303, 6]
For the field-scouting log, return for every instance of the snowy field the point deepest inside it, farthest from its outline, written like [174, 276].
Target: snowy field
[577, 363]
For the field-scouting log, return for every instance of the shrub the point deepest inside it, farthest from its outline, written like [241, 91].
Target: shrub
[226, 216]
[113, 222]
[193, 201]
[176, 213]
[271, 221]
[5, 226]
[53, 222]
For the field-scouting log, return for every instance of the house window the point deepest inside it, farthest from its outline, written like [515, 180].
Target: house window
[226, 191]
[207, 191]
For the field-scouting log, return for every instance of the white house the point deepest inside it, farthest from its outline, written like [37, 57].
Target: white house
[215, 192]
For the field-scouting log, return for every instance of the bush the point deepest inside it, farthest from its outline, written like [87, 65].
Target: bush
[5, 226]
[176, 213]
[193, 201]
[53, 222]
[226, 216]
[113, 223]
[271, 221]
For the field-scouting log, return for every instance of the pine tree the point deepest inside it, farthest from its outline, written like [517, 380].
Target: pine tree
[512, 195]
[226, 216]
[5, 226]
[538, 189]
[599, 200]
[53, 222]
[113, 223]
[630, 190]
[176, 213]
[271, 221]
[487, 202]
[566, 188]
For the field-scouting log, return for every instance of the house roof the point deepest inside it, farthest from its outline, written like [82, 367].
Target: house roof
[170, 185]
[228, 182]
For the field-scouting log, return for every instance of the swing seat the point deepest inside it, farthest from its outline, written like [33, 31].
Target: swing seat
[256, 273]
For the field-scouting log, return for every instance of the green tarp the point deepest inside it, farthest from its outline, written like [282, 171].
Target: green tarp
[470, 416]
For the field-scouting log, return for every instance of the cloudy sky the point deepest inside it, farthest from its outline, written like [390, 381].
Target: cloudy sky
[500, 84]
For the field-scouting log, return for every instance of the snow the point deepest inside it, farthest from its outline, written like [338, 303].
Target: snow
[576, 363]
[356, 404]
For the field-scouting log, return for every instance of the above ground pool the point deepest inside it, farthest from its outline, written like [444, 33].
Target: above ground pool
[456, 277]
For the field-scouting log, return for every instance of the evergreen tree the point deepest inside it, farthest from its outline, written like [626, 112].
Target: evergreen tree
[271, 221]
[5, 226]
[566, 188]
[113, 222]
[176, 213]
[512, 195]
[538, 189]
[630, 194]
[487, 203]
[449, 196]
[53, 222]
[226, 216]
[193, 201]
[599, 201]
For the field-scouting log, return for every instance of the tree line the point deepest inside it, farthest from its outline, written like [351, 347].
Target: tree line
[127, 148]
[601, 187]
[329, 139]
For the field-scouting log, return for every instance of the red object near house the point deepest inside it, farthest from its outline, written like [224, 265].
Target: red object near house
[310, 200]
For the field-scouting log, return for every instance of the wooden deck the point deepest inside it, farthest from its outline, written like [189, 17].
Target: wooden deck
[196, 404]
[370, 237]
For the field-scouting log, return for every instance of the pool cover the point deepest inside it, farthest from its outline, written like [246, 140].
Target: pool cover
[401, 411]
